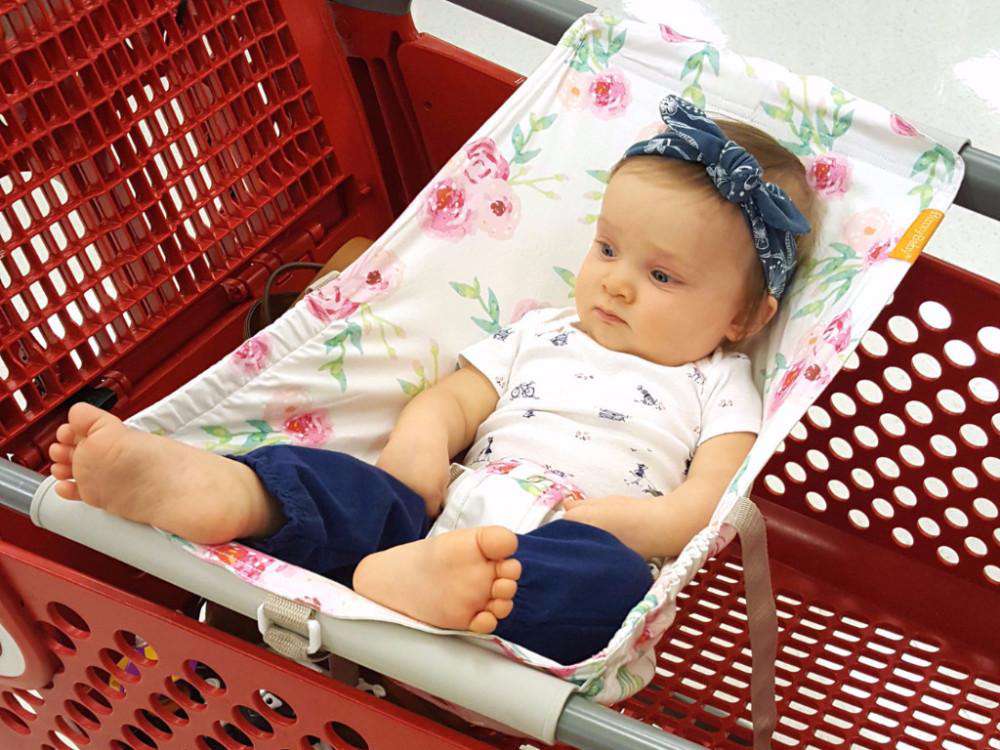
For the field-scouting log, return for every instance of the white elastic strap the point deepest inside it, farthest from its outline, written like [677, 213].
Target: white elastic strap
[762, 619]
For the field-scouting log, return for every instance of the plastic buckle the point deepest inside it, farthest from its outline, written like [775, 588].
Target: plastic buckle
[264, 623]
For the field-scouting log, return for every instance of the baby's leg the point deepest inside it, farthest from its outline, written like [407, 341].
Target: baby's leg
[461, 580]
[151, 479]
[579, 584]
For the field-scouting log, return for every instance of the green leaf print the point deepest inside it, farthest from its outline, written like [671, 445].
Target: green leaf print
[466, 290]
[617, 43]
[494, 306]
[409, 389]
[695, 95]
[713, 58]
[524, 156]
[217, 431]
[336, 369]
[813, 308]
[354, 331]
[569, 277]
[486, 325]
[490, 307]
[603, 175]
[777, 112]
[813, 131]
[796, 148]
[517, 138]
[260, 425]
[692, 64]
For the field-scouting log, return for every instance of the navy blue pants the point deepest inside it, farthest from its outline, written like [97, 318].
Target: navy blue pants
[577, 582]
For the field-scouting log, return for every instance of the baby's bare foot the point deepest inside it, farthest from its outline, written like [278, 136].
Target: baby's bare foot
[151, 479]
[461, 580]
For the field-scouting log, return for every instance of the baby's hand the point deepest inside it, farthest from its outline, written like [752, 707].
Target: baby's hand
[626, 518]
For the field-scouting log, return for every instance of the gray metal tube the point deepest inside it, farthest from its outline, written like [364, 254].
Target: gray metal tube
[582, 724]
[980, 191]
[543, 19]
[590, 726]
[17, 486]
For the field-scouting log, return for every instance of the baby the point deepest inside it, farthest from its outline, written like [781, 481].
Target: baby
[619, 423]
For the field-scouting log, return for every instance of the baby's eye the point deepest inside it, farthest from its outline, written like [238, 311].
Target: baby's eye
[606, 250]
[660, 276]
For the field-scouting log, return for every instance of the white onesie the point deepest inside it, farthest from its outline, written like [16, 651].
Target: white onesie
[575, 419]
[613, 422]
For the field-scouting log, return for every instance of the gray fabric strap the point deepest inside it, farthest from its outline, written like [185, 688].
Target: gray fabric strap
[762, 619]
[288, 628]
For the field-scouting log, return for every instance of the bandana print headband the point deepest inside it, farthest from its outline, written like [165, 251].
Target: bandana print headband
[773, 218]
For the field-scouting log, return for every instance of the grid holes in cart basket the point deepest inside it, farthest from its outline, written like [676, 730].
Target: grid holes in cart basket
[143, 161]
[843, 679]
[905, 447]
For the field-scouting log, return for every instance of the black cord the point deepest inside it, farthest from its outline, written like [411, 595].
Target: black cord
[266, 299]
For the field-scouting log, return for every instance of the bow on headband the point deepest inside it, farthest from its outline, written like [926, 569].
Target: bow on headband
[773, 218]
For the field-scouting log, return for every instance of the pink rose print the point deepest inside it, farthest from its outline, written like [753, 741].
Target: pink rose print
[310, 429]
[485, 162]
[838, 333]
[525, 306]
[251, 356]
[669, 35]
[829, 175]
[901, 126]
[864, 228]
[360, 284]
[816, 373]
[879, 252]
[563, 673]
[286, 403]
[727, 532]
[244, 561]
[609, 94]
[575, 88]
[557, 494]
[496, 208]
[502, 467]
[785, 385]
[331, 301]
[447, 209]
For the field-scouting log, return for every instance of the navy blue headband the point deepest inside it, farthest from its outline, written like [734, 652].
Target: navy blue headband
[773, 218]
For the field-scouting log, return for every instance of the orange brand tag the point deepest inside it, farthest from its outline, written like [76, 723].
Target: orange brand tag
[915, 237]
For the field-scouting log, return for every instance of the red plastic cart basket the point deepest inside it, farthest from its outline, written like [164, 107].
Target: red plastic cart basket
[158, 159]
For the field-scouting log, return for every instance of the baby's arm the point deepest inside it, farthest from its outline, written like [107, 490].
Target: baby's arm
[662, 526]
[436, 425]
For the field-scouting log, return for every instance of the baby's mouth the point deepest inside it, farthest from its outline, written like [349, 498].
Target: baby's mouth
[608, 317]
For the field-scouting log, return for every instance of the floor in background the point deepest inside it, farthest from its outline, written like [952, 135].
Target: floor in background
[937, 67]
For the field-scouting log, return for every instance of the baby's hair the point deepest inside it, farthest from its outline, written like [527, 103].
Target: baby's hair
[780, 166]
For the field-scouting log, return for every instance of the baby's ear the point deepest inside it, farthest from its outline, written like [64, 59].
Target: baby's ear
[760, 318]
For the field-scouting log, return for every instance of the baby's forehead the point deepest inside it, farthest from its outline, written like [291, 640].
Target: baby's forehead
[680, 220]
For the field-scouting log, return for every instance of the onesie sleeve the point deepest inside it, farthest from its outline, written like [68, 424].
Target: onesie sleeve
[494, 356]
[730, 400]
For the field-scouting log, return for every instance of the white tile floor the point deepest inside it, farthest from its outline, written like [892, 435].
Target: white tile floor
[934, 63]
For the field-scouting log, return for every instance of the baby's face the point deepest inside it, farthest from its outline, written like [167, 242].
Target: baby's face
[664, 277]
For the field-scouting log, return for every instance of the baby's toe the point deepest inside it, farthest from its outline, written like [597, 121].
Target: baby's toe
[484, 622]
[503, 588]
[67, 490]
[509, 569]
[67, 435]
[500, 607]
[61, 471]
[61, 454]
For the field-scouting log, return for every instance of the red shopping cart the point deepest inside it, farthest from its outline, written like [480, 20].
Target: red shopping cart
[159, 159]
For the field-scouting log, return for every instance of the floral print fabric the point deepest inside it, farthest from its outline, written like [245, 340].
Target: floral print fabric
[502, 228]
